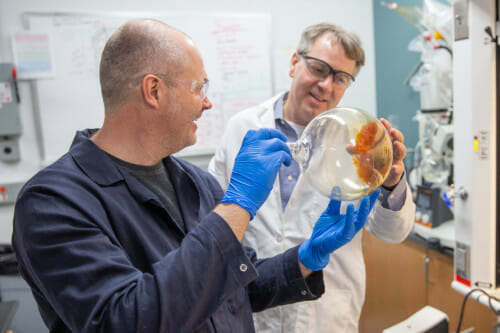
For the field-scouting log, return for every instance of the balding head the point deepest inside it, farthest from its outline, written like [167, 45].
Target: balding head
[138, 48]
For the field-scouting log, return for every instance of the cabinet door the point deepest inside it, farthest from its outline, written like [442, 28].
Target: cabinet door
[395, 284]
[442, 296]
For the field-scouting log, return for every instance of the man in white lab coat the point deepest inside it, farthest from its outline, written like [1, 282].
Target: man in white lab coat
[326, 61]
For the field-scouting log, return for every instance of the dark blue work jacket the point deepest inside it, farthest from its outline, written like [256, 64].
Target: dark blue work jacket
[102, 254]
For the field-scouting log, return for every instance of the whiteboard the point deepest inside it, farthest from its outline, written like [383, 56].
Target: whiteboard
[235, 49]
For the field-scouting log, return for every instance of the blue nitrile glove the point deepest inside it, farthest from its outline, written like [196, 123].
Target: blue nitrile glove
[333, 230]
[255, 168]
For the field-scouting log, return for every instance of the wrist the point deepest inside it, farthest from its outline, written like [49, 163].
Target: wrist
[247, 194]
[391, 187]
[235, 216]
[304, 270]
[242, 201]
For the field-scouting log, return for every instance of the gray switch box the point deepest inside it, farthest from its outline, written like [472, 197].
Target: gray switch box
[462, 260]
[461, 19]
[9, 149]
[9, 192]
[10, 122]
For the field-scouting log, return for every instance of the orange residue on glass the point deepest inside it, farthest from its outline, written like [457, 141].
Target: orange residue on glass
[372, 163]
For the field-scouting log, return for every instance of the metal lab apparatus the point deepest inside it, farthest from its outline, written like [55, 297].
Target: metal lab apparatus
[431, 210]
[476, 146]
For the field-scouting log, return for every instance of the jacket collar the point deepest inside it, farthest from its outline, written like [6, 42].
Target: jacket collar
[99, 167]
[93, 161]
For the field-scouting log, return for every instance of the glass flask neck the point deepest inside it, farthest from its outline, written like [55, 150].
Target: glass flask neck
[301, 151]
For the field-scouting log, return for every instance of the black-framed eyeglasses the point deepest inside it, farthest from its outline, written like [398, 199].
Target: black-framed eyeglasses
[198, 86]
[320, 69]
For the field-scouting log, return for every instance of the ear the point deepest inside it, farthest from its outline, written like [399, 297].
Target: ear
[293, 63]
[150, 88]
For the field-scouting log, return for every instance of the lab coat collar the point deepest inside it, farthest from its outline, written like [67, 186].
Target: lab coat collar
[266, 112]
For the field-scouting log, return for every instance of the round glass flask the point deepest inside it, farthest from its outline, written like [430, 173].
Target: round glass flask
[344, 153]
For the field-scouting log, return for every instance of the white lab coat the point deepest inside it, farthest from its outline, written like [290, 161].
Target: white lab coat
[273, 230]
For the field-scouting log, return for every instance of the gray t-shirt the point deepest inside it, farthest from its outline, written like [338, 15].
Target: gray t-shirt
[157, 180]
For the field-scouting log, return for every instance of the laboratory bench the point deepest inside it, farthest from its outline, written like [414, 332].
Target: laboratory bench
[403, 278]
[441, 238]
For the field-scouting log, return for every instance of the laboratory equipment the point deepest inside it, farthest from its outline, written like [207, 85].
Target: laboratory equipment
[431, 209]
[436, 161]
[432, 78]
[433, 169]
[430, 180]
[344, 153]
[432, 75]
[426, 320]
[476, 120]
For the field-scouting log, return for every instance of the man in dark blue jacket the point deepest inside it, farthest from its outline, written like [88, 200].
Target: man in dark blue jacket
[120, 236]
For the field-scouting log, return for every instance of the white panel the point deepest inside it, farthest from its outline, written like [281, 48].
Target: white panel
[475, 169]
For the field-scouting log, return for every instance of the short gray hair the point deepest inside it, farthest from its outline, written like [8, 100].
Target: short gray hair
[135, 49]
[349, 41]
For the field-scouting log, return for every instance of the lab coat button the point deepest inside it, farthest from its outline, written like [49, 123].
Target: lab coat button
[279, 238]
[243, 267]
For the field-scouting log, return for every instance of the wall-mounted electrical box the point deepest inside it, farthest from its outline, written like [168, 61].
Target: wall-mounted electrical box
[9, 192]
[10, 122]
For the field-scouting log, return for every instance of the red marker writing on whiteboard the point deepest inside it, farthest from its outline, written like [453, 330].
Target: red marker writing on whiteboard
[16, 89]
